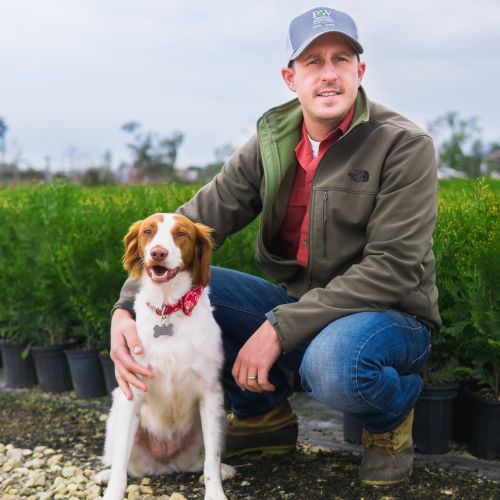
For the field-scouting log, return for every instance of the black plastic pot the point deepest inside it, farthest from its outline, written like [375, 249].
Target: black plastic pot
[86, 373]
[52, 367]
[18, 372]
[433, 423]
[108, 369]
[353, 428]
[484, 439]
[463, 411]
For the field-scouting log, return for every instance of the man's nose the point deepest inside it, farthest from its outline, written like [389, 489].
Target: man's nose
[158, 253]
[329, 71]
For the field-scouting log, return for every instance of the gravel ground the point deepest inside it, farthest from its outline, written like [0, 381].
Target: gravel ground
[50, 446]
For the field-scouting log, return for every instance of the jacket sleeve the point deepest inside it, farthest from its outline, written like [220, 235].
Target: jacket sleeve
[127, 297]
[229, 202]
[232, 199]
[399, 234]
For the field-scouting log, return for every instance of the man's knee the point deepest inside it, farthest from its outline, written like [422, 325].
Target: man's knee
[340, 367]
[325, 371]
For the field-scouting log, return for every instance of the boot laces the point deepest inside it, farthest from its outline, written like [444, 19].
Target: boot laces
[387, 441]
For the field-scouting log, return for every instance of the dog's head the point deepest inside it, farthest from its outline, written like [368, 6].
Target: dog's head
[164, 244]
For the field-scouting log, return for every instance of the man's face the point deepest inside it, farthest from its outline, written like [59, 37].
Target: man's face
[325, 77]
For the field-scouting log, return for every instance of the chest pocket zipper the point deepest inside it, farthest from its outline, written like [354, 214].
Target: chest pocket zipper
[325, 224]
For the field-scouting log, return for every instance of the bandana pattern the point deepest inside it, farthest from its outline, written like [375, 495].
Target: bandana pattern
[186, 303]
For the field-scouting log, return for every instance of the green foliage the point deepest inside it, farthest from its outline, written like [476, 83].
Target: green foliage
[60, 256]
[467, 239]
[61, 270]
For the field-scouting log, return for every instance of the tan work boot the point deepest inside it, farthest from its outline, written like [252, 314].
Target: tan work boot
[388, 457]
[272, 433]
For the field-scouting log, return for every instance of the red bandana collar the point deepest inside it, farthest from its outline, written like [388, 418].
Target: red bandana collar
[186, 303]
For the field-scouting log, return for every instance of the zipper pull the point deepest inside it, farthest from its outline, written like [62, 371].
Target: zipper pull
[325, 201]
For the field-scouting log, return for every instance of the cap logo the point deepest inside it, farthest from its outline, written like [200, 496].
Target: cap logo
[322, 18]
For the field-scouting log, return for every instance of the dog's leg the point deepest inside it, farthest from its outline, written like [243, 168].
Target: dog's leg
[211, 422]
[125, 423]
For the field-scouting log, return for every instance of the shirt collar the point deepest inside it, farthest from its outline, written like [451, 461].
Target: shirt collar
[303, 149]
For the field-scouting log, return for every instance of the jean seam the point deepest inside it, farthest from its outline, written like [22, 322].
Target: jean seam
[356, 363]
[237, 308]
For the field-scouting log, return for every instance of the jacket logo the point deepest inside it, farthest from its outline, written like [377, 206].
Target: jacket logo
[359, 175]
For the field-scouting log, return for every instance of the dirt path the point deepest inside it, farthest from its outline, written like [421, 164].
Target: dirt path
[71, 434]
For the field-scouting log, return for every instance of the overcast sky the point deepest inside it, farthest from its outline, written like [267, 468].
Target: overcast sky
[73, 71]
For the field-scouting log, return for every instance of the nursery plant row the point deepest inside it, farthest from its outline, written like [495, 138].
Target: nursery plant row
[61, 270]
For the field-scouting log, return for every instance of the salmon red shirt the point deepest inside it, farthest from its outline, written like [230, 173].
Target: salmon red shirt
[294, 230]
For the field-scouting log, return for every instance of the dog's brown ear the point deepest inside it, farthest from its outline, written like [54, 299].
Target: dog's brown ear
[132, 259]
[202, 255]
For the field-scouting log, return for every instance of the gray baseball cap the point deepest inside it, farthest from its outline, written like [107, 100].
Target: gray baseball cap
[316, 22]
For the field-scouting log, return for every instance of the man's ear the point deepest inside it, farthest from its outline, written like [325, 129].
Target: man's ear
[132, 259]
[361, 71]
[202, 255]
[288, 75]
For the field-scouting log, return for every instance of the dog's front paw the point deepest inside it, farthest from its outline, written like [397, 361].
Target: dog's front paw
[227, 471]
[116, 487]
[102, 478]
[215, 495]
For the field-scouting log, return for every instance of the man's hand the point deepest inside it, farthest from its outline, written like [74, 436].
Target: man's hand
[255, 359]
[124, 339]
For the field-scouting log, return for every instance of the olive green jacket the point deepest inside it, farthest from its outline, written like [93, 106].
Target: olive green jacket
[372, 213]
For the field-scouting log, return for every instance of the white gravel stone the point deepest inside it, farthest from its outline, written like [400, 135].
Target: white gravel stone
[177, 496]
[69, 471]
[55, 459]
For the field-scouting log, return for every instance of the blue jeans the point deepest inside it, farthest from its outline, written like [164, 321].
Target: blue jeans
[366, 363]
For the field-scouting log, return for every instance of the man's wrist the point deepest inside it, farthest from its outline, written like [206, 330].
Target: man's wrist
[273, 321]
[120, 313]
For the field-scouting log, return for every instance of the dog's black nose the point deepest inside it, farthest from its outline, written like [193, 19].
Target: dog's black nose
[158, 253]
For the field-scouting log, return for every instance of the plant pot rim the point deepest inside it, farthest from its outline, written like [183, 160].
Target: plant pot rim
[82, 352]
[53, 347]
[477, 397]
[438, 387]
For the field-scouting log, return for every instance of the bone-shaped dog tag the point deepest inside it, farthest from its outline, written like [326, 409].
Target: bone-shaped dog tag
[163, 330]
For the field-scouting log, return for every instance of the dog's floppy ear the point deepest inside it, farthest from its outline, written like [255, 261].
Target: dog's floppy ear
[132, 259]
[202, 254]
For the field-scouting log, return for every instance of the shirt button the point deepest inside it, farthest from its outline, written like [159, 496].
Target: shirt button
[305, 242]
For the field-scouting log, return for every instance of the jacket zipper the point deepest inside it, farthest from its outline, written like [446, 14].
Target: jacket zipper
[325, 224]
[311, 211]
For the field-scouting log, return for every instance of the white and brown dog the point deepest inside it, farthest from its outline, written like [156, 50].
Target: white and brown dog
[165, 429]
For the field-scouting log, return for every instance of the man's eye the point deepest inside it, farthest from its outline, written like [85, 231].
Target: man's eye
[340, 59]
[314, 61]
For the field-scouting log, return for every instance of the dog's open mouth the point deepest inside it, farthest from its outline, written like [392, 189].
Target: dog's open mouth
[161, 273]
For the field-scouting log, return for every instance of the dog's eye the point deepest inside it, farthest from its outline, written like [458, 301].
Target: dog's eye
[180, 234]
[148, 232]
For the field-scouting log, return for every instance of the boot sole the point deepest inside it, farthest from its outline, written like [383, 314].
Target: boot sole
[277, 442]
[272, 450]
[387, 483]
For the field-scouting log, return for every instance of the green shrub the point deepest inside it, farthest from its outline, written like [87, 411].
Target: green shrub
[61, 248]
[467, 240]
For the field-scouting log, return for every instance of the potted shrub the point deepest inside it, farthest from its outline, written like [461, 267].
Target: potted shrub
[88, 262]
[53, 317]
[484, 440]
[469, 285]
[17, 327]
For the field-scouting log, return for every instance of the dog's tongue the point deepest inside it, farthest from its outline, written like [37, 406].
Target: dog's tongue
[164, 272]
[159, 270]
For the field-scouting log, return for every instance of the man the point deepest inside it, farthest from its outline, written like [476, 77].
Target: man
[347, 192]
